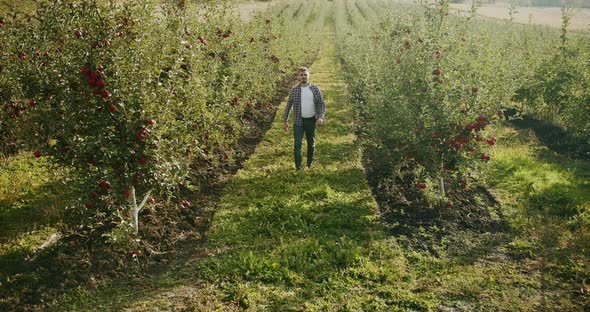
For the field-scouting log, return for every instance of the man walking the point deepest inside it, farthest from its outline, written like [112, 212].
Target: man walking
[308, 112]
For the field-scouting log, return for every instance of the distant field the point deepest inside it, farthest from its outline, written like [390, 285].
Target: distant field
[244, 8]
[247, 8]
[544, 16]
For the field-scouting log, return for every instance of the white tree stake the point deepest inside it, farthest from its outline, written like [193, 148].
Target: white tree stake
[441, 186]
[136, 208]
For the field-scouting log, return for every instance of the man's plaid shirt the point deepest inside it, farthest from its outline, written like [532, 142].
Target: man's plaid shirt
[295, 102]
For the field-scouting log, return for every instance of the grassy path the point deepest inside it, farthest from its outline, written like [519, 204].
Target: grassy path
[285, 240]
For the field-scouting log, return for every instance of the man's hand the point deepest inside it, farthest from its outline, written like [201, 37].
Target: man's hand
[319, 121]
[286, 125]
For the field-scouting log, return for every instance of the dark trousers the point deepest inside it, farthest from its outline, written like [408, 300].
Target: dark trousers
[309, 130]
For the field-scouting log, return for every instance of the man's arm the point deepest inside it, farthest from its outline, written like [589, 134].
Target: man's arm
[287, 112]
[321, 109]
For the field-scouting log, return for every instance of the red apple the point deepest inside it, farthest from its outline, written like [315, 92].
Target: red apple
[105, 185]
[78, 34]
[485, 157]
[105, 94]
[100, 84]
[88, 205]
[38, 154]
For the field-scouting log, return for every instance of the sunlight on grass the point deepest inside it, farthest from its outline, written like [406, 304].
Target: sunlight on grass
[32, 198]
[546, 197]
[30, 194]
[522, 171]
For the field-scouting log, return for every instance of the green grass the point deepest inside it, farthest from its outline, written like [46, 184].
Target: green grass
[32, 198]
[311, 240]
[9, 6]
[31, 195]
[529, 176]
[546, 198]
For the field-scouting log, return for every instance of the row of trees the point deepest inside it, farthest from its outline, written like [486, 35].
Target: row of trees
[134, 97]
[428, 85]
[537, 3]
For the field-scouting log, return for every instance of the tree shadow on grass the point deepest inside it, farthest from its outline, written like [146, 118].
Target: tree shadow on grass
[29, 222]
[293, 227]
[464, 231]
[41, 206]
[285, 229]
[554, 137]
[581, 168]
[330, 152]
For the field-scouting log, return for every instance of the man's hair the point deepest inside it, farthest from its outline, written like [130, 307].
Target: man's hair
[303, 69]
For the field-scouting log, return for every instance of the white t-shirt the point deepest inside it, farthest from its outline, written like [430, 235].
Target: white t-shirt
[307, 105]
